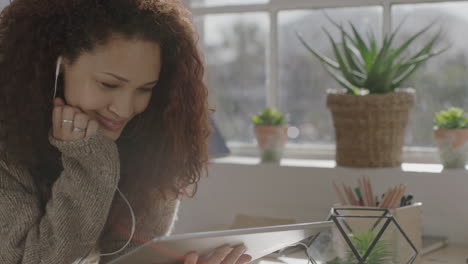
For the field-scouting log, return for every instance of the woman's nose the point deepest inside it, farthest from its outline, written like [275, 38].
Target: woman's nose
[122, 106]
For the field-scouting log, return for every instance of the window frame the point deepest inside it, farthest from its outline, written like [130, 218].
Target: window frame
[272, 8]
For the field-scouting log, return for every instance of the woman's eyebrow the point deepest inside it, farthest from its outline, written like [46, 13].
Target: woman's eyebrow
[116, 76]
[125, 80]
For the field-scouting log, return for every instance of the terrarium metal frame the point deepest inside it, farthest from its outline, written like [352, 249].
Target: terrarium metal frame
[386, 215]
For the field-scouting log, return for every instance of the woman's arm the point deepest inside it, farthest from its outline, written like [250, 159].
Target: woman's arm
[154, 215]
[75, 215]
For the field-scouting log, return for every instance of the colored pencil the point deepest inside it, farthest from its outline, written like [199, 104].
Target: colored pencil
[384, 201]
[340, 195]
[365, 200]
[371, 193]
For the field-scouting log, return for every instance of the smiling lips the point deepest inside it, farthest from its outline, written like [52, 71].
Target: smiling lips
[110, 124]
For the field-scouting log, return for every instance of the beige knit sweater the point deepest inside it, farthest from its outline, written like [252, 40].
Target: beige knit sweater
[83, 211]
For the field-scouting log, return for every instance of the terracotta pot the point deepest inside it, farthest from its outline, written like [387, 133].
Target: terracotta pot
[271, 141]
[370, 129]
[453, 147]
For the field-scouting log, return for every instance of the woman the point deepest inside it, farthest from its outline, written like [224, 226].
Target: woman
[124, 123]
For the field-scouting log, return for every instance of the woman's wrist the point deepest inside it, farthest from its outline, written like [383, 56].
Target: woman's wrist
[94, 148]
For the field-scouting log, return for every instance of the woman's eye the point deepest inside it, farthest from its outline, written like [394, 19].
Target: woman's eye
[147, 90]
[109, 85]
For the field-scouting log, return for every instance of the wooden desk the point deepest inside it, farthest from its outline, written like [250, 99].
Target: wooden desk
[448, 255]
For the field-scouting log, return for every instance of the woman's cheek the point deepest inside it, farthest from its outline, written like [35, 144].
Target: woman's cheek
[143, 103]
[81, 95]
[91, 99]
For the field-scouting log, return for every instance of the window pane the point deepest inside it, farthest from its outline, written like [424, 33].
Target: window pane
[234, 49]
[226, 2]
[303, 81]
[4, 3]
[443, 80]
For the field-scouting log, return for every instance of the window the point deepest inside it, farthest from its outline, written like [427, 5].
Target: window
[443, 80]
[273, 69]
[234, 50]
[226, 2]
[4, 3]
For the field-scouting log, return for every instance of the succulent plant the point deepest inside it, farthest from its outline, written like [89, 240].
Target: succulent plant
[451, 118]
[269, 117]
[361, 64]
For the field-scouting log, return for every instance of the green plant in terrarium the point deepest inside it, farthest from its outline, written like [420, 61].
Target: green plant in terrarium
[335, 261]
[380, 254]
[363, 66]
[452, 118]
[269, 117]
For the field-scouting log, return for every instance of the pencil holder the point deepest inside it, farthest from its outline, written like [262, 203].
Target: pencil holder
[363, 236]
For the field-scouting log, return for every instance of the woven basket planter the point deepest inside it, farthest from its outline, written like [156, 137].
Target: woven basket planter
[370, 129]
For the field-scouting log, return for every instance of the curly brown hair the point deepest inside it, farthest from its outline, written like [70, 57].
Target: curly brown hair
[165, 146]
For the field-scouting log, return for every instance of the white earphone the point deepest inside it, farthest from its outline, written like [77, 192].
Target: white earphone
[80, 260]
[57, 71]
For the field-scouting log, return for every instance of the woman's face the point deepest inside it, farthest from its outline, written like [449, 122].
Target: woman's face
[114, 82]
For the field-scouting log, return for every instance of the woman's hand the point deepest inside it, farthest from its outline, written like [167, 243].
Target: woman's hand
[64, 130]
[222, 255]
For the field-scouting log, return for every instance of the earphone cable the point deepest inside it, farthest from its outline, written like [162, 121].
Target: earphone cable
[131, 234]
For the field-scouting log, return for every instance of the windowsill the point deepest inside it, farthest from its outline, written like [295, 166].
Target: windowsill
[331, 164]
[309, 151]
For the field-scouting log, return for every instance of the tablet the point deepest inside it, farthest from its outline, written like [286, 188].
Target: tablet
[260, 241]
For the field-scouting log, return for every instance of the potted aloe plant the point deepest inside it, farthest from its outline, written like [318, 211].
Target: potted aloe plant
[451, 135]
[271, 134]
[370, 112]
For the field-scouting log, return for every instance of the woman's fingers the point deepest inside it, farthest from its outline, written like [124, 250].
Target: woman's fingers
[234, 255]
[58, 101]
[219, 255]
[81, 122]
[92, 129]
[56, 122]
[70, 123]
[222, 255]
[244, 259]
[68, 115]
[191, 258]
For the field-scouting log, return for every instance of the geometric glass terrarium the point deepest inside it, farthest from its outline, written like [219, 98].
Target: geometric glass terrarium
[362, 236]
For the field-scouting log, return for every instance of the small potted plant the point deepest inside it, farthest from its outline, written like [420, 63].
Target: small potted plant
[370, 112]
[451, 135]
[271, 134]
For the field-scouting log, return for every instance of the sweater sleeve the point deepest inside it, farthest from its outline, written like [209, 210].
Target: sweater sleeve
[154, 215]
[70, 224]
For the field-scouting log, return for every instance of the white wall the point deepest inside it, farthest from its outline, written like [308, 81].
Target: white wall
[306, 193]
